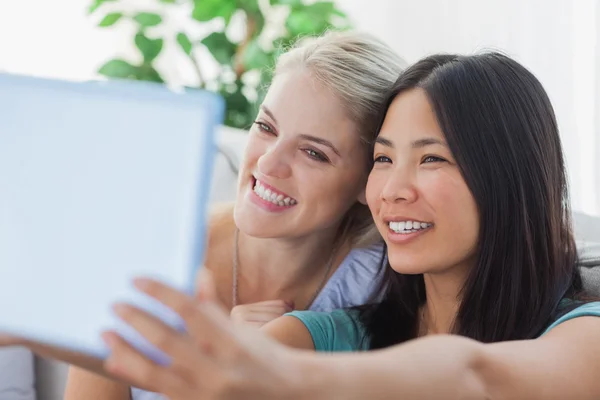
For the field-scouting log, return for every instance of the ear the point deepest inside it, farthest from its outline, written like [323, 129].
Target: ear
[362, 197]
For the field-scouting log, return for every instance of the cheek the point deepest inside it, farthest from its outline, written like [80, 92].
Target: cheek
[453, 204]
[442, 190]
[255, 148]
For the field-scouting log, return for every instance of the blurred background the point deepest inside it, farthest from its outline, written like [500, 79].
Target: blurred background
[228, 46]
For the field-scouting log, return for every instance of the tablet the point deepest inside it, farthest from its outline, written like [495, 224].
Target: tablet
[100, 182]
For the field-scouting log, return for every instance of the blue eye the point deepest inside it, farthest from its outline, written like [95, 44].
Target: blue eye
[264, 127]
[316, 155]
[382, 159]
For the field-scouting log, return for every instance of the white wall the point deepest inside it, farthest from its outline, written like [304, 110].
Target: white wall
[556, 39]
[51, 38]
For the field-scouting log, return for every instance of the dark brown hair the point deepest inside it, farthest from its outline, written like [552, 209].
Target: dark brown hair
[502, 131]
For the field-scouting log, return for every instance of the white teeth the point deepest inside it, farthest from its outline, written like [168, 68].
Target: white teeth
[408, 226]
[275, 198]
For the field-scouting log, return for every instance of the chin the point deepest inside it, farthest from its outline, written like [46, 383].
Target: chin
[408, 265]
[255, 225]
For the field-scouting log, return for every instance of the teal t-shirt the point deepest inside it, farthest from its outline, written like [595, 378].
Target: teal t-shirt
[341, 330]
[336, 331]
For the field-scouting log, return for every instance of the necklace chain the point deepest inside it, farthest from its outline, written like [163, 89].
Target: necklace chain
[235, 271]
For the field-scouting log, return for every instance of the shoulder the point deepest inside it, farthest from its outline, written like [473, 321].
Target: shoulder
[289, 331]
[82, 384]
[577, 310]
[335, 331]
[220, 222]
[221, 228]
[219, 243]
[355, 281]
[17, 371]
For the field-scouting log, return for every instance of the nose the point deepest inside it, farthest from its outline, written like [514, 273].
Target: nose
[399, 187]
[274, 162]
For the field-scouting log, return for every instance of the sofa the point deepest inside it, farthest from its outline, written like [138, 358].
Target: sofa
[50, 376]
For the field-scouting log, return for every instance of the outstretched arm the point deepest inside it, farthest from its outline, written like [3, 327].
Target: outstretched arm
[81, 360]
[561, 365]
[217, 360]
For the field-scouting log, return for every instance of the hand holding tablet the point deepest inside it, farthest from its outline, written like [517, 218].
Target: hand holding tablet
[99, 183]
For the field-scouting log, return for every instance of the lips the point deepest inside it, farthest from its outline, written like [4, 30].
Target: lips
[408, 226]
[271, 194]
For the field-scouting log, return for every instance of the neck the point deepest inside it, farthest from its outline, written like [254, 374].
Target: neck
[287, 269]
[442, 301]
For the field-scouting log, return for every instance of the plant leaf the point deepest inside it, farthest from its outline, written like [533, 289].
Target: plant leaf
[312, 19]
[169, 1]
[146, 19]
[293, 3]
[321, 9]
[250, 6]
[118, 68]
[259, 20]
[239, 113]
[148, 73]
[184, 42]
[255, 57]
[301, 23]
[220, 47]
[205, 10]
[110, 19]
[150, 48]
[96, 4]
[339, 13]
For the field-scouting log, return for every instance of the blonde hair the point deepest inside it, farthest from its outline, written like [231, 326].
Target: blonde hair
[358, 69]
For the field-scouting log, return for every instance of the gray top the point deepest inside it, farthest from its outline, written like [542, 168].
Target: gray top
[352, 284]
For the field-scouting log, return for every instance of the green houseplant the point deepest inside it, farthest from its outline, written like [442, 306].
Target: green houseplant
[237, 58]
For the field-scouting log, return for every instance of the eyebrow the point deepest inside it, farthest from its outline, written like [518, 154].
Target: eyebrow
[417, 144]
[311, 138]
[268, 112]
[321, 141]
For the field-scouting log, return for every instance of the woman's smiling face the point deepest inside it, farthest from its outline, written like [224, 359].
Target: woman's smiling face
[304, 165]
[417, 195]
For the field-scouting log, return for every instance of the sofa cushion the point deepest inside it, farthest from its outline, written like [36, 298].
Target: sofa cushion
[587, 233]
[230, 145]
[589, 254]
[17, 374]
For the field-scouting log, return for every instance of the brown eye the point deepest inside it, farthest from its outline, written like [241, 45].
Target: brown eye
[431, 159]
[382, 159]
